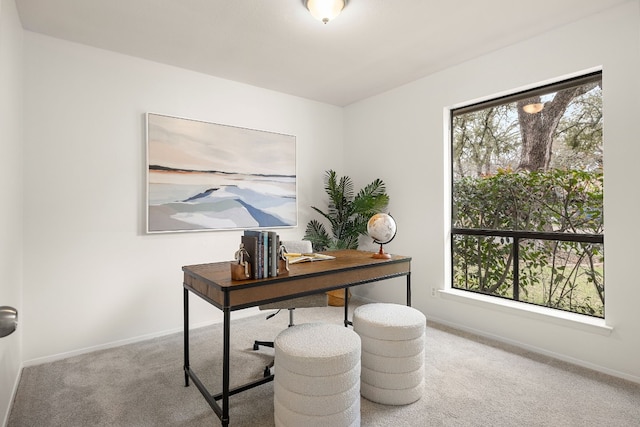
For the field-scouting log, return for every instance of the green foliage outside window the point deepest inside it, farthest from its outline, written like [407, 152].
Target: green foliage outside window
[558, 274]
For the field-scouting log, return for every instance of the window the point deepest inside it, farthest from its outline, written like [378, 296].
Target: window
[527, 197]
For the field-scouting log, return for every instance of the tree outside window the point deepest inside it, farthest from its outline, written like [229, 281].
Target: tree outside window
[527, 197]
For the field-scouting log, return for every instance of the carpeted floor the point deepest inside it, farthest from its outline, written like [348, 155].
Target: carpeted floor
[470, 381]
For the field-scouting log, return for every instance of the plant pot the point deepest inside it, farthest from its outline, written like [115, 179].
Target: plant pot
[336, 298]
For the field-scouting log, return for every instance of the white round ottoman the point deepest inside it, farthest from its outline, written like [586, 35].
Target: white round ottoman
[317, 376]
[393, 338]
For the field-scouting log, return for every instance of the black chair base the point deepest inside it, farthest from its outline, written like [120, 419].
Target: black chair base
[257, 344]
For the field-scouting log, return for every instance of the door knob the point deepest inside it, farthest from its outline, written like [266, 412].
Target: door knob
[8, 320]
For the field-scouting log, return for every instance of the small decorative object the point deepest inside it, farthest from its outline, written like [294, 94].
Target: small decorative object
[382, 228]
[283, 260]
[241, 268]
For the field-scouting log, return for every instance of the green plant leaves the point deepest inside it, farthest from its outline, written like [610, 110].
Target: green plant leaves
[347, 212]
[564, 275]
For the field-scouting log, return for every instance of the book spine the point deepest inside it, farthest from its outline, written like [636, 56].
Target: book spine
[273, 254]
[269, 253]
[265, 254]
[259, 259]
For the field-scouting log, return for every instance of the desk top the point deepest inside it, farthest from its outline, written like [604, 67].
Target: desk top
[213, 281]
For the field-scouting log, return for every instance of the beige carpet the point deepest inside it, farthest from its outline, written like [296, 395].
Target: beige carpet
[470, 381]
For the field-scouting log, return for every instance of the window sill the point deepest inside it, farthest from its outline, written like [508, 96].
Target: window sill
[571, 320]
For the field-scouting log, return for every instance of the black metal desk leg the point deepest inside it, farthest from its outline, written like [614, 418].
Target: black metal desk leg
[346, 307]
[225, 366]
[186, 336]
[409, 289]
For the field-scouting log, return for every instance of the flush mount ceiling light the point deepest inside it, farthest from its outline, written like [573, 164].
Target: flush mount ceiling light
[325, 10]
[533, 108]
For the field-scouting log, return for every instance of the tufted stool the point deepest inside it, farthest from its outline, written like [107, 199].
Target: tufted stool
[392, 352]
[317, 376]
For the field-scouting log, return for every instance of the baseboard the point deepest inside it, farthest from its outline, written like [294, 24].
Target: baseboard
[113, 344]
[534, 349]
[14, 391]
[55, 357]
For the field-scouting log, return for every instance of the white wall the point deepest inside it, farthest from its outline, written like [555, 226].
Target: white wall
[11, 190]
[407, 126]
[92, 277]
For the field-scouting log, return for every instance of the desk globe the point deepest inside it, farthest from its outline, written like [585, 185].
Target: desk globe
[382, 228]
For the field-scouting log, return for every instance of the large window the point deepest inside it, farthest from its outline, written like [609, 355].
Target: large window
[527, 197]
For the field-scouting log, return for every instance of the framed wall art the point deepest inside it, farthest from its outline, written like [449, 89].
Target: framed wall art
[207, 176]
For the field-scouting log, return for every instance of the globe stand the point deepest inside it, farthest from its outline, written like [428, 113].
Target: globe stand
[381, 254]
[382, 229]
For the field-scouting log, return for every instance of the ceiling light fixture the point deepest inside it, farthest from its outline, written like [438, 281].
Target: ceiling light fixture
[325, 10]
[533, 108]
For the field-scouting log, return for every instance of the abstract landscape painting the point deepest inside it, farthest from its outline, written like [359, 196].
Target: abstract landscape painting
[207, 176]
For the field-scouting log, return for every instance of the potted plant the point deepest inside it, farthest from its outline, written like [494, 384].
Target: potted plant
[347, 214]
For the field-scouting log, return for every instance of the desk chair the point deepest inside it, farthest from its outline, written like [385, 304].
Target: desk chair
[317, 300]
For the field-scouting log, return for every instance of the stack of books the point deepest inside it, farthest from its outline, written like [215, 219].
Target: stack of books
[263, 248]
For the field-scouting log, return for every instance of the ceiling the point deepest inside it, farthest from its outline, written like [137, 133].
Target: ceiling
[373, 46]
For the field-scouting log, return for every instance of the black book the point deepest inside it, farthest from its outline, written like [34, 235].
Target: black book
[273, 254]
[258, 261]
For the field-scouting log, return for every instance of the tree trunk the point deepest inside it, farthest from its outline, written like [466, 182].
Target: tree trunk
[537, 129]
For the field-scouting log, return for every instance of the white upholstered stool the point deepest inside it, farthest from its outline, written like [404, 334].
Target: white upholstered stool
[317, 376]
[392, 352]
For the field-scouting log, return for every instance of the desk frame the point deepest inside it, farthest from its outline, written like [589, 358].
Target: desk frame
[212, 283]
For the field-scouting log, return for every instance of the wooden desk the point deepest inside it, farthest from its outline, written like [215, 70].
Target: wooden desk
[212, 282]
